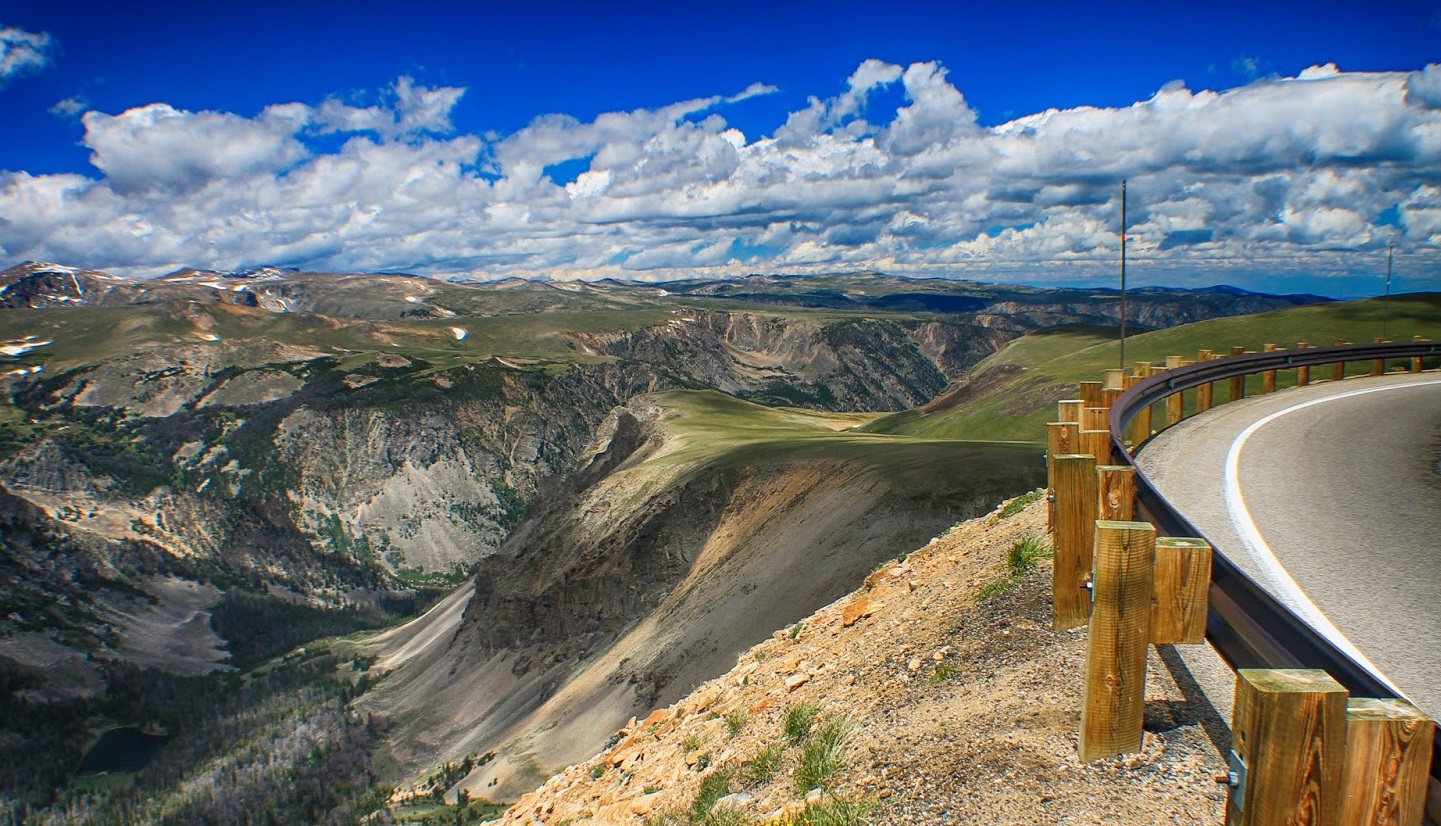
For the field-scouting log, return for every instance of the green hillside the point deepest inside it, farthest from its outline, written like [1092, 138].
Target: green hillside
[1012, 394]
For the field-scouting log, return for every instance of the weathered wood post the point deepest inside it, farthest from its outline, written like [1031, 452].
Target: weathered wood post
[1090, 392]
[1303, 371]
[1075, 477]
[1378, 366]
[1416, 360]
[1069, 410]
[1388, 751]
[1268, 377]
[1206, 393]
[1141, 422]
[1115, 492]
[1175, 407]
[1183, 582]
[1115, 379]
[1097, 443]
[1338, 370]
[1114, 694]
[1289, 730]
[1061, 438]
[1238, 383]
[1095, 418]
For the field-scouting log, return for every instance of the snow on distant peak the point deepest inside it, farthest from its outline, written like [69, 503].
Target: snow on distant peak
[46, 266]
[19, 347]
[460, 333]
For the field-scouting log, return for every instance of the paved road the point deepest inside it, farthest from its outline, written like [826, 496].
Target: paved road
[1331, 496]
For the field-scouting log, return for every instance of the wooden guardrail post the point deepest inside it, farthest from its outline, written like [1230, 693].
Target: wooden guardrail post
[1097, 443]
[1288, 729]
[1268, 377]
[1183, 582]
[1175, 407]
[1378, 366]
[1237, 383]
[1303, 371]
[1094, 418]
[1416, 360]
[1069, 410]
[1114, 695]
[1388, 752]
[1141, 422]
[1075, 479]
[1115, 492]
[1338, 370]
[1090, 392]
[1061, 438]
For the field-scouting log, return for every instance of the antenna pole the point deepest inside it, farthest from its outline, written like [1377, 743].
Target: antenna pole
[1386, 301]
[1123, 274]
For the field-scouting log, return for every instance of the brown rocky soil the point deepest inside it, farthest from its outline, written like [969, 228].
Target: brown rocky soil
[960, 710]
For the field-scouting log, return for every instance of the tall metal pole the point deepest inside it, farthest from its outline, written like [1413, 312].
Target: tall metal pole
[1123, 274]
[1386, 300]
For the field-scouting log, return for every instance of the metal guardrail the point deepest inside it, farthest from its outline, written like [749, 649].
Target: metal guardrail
[1245, 623]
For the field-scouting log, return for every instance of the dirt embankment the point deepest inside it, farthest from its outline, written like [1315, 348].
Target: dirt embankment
[960, 710]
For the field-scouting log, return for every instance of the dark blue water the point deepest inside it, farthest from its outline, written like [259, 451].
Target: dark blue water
[121, 750]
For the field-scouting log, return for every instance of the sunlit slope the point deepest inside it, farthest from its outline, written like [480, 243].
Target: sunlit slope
[1012, 394]
[85, 335]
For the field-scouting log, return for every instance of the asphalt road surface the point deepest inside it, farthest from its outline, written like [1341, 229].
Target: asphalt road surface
[1330, 496]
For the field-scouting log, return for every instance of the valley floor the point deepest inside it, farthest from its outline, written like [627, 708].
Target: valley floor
[959, 708]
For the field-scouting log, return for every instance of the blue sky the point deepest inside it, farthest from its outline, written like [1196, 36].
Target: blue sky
[669, 140]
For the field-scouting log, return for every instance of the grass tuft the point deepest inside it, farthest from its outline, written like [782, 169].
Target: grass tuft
[759, 770]
[823, 754]
[1020, 561]
[713, 787]
[799, 720]
[1019, 504]
[1022, 558]
[943, 672]
[829, 811]
[736, 720]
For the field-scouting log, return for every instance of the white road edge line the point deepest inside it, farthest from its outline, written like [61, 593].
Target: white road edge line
[1284, 587]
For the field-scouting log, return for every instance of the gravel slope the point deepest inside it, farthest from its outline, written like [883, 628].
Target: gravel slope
[961, 711]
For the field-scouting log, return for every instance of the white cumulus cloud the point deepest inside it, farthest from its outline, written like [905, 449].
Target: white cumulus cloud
[22, 52]
[1306, 174]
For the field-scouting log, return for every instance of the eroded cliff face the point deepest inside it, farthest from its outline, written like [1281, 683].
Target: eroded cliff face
[816, 362]
[400, 469]
[643, 573]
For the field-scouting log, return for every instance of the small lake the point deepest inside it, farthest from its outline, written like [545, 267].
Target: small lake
[121, 750]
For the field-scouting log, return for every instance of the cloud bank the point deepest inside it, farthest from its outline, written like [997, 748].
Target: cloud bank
[1309, 174]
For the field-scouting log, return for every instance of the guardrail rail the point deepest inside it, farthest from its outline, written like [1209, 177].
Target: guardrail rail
[1247, 626]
